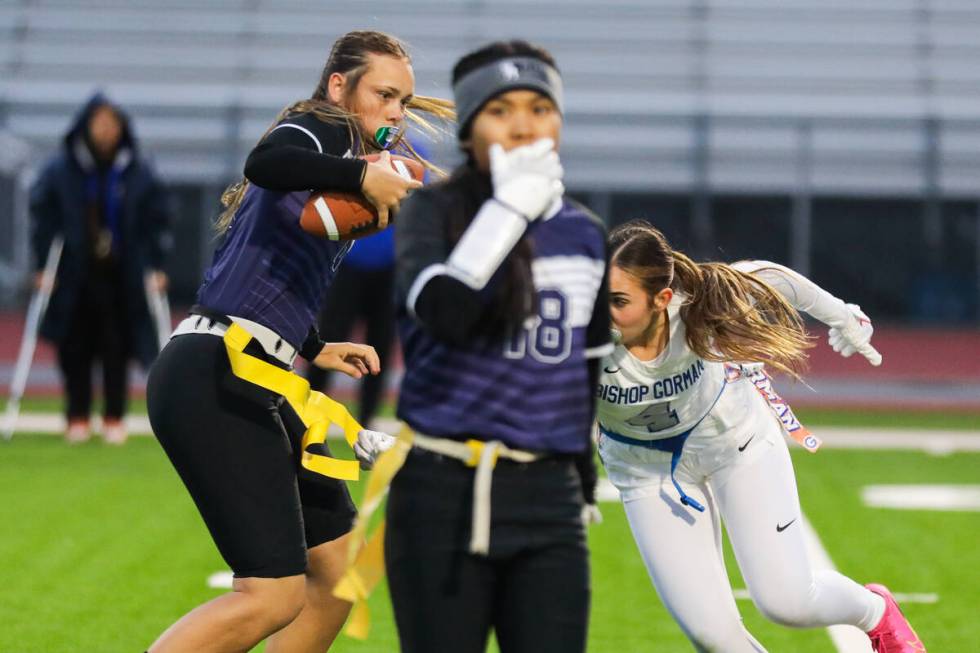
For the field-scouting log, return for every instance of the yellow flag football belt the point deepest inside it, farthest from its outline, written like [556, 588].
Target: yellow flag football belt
[315, 409]
[365, 566]
[763, 383]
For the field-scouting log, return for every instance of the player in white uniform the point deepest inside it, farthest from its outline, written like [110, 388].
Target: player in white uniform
[687, 438]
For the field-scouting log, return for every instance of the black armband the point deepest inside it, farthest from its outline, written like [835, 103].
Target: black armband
[589, 473]
[312, 346]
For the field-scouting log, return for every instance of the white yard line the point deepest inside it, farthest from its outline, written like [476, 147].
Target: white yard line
[221, 580]
[54, 424]
[922, 497]
[932, 441]
[742, 594]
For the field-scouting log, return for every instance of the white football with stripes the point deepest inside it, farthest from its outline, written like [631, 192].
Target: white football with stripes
[347, 216]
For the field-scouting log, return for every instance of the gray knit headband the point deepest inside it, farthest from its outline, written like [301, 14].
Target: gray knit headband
[479, 86]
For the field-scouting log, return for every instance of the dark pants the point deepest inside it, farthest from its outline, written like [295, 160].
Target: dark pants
[533, 587]
[98, 332]
[237, 448]
[359, 294]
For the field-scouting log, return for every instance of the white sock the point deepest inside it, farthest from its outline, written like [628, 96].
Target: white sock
[871, 621]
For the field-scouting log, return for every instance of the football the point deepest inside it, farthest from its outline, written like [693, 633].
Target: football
[347, 216]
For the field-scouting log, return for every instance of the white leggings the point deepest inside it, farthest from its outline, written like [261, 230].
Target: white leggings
[754, 492]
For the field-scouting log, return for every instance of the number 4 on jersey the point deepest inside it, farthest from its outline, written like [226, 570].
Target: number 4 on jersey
[656, 417]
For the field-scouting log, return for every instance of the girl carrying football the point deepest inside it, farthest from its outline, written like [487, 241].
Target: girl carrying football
[688, 438]
[235, 444]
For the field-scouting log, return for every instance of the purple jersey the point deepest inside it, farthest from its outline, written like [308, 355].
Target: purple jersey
[268, 269]
[531, 391]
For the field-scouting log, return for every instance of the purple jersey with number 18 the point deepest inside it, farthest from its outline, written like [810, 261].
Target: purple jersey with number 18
[532, 391]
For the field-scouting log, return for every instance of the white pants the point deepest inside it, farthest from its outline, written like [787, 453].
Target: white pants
[754, 492]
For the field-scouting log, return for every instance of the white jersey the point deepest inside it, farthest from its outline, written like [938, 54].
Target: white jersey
[661, 398]
[678, 390]
[735, 465]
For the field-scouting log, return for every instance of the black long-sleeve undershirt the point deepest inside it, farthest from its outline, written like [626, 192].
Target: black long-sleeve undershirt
[289, 159]
[449, 309]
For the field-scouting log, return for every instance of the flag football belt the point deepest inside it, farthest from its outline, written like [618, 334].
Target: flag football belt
[365, 564]
[316, 410]
[483, 456]
[673, 445]
[270, 341]
[756, 375]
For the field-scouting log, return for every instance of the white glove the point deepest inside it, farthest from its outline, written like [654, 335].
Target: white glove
[854, 336]
[370, 445]
[591, 514]
[526, 179]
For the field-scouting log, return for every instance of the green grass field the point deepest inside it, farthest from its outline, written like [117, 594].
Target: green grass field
[955, 420]
[102, 549]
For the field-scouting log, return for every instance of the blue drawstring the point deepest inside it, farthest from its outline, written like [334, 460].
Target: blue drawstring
[675, 458]
[674, 445]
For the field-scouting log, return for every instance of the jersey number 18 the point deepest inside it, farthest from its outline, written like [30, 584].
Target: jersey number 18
[549, 338]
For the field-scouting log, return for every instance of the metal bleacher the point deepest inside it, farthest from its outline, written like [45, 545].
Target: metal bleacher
[876, 97]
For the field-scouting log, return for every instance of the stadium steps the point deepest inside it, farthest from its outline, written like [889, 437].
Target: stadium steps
[856, 79]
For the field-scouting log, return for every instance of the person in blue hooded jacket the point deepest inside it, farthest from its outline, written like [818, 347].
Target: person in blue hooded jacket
[114, 215]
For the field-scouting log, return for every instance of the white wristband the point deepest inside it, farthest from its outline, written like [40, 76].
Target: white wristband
[485, 244]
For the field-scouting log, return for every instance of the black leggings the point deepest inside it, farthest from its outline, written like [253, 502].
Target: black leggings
[533, 587]
[237, 451]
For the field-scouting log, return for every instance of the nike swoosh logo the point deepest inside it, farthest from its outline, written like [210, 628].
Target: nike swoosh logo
[610, 370]
[780, 529]
[742, 448]
[918, 646]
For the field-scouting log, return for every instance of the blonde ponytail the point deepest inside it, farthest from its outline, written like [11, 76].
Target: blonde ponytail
[730, 316]
[734, 317]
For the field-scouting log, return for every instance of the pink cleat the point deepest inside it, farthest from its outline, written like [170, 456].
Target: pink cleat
[894, 633]
[78, 431]
[114, 431]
